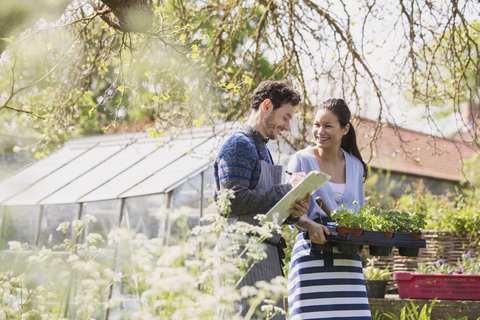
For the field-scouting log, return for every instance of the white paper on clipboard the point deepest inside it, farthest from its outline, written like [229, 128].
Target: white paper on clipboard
[312, 182]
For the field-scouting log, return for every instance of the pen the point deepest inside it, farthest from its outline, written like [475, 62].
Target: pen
[288, 172]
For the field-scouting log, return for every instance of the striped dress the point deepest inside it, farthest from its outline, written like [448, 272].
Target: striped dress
[327, 285]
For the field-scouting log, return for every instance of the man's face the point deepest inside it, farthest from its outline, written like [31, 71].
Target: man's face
[279, 120]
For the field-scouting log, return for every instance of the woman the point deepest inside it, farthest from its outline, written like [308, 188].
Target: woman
[329, 285]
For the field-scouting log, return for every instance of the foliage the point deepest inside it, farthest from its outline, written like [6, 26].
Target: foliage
[352, 219]
[197, 62]
[411, 312]
[468, 263]
[369, 218]
[80, 280]
[404, 221]
[379, 187]
[36, 282]
[370, 272]
[452, 212]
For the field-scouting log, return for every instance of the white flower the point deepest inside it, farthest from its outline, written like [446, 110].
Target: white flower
[72, 258]
[89, 218]
[93, 238]
[77, 224]
[63, 227]
[248, 291]
[118, 235]
[14, 245]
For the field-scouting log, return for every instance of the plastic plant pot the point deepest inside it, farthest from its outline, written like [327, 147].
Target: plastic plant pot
[349, 248]
[327, 246]
[380, 250]
[376, 288]
[347, 230]
[417, 235]
[408, 252]
[388, 234]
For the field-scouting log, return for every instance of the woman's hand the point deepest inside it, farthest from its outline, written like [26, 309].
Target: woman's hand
[317, 232]
[300, 206]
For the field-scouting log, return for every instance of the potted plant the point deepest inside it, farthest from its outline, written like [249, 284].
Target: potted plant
[407, 222]
[384, 222]
[348, 221]
[407, 225]
[376, 279]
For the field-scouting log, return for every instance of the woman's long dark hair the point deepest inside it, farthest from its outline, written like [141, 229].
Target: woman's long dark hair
[349, 141]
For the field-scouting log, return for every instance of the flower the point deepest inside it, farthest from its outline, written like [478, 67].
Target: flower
[14, 245]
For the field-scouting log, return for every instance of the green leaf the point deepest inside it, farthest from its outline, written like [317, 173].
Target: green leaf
[156, 98]
[120, 88]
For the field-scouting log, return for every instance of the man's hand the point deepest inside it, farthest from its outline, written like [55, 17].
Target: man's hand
[317, 232]
[300, 206]
[296, 178]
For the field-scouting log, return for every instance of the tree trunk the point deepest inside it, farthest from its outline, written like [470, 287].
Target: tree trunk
[132, 15]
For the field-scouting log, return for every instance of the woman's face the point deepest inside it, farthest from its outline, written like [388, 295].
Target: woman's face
[327, 131]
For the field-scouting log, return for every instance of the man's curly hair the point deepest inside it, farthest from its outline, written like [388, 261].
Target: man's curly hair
[278, 92]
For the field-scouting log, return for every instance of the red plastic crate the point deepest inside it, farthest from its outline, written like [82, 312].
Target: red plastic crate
[440, 286]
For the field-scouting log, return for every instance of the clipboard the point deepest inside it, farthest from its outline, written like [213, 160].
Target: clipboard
[312, 182]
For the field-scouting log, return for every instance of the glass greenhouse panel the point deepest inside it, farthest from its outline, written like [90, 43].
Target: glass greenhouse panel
[20, 224]
[185, 214]
[172, 175]
[108, 218]
[38, 170]
[146, 215]
[51, 218]
[101, 174]
[156, 161]
[208, 185]
[63, 176]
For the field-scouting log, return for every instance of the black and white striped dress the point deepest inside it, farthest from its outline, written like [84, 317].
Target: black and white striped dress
[325, 285]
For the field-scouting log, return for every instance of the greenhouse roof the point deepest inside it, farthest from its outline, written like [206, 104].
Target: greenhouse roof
[110, 167]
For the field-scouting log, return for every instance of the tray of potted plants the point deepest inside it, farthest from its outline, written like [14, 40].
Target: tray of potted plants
[380, 230]
[442, 281]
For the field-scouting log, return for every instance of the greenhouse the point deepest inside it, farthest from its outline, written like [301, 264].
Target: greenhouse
[127, 180]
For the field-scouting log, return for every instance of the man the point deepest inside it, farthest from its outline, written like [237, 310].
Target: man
[244, 165]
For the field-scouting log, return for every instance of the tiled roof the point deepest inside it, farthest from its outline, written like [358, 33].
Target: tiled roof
[411, 152]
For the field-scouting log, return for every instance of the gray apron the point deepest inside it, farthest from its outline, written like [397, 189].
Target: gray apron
[270, 267]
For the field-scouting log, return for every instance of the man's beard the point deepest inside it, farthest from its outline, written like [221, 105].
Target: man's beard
[270, 126]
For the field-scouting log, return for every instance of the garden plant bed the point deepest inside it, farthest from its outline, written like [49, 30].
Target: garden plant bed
[377, 241]
[440, 286]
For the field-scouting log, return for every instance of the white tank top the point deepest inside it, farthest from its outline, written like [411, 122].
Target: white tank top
[338, 190]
